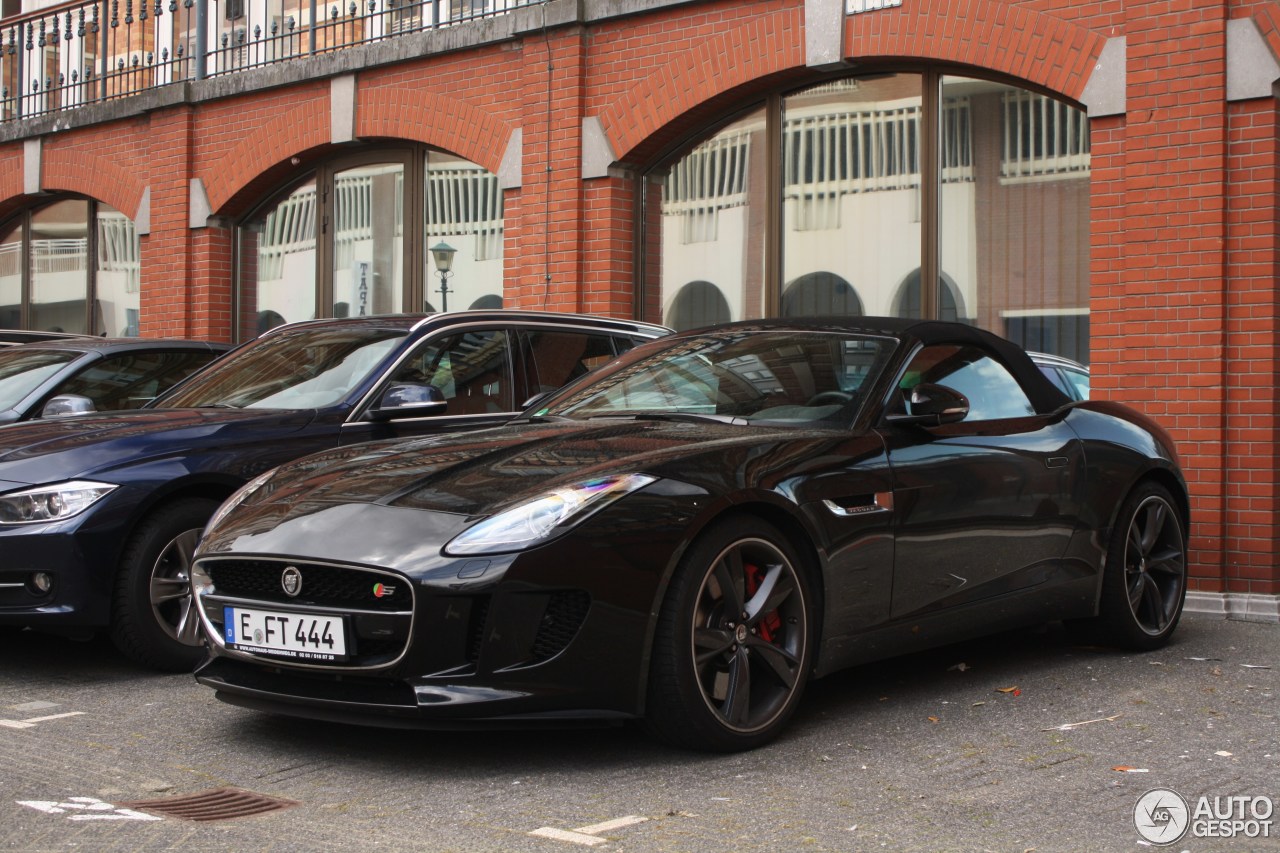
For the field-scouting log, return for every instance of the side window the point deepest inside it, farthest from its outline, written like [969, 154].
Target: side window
[1054, 375]
[471, 370]
[127, 381]
[992, 391]
[557, 358]
[1079, 382]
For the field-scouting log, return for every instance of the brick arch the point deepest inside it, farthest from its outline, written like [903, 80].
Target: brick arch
[1268, 20]
[392, 113]
[413, 113]
[104, 179]
[304, 126]
[11, 192]
[765, 45]
[991, 34]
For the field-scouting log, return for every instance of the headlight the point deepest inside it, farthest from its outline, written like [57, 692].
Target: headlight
[238, 497]
[544, 517]
[51, 503]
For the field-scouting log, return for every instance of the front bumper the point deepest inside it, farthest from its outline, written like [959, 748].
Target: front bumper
[79, 554]
[539, 638]
[385, 703]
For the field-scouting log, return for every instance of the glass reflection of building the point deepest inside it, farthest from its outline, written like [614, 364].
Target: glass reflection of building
[71, 265]
[294, 267]
[879, 180]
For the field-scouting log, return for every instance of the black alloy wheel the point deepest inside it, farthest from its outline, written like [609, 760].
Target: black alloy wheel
[732, 649]
[1146, 578]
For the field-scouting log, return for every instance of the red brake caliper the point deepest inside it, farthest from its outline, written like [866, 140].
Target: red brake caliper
[770, 622]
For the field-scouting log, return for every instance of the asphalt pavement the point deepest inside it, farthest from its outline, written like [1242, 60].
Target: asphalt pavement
[1025, 741]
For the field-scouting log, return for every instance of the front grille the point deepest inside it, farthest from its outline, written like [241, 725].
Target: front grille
[322, 585]
[378, 605]
[476, 626]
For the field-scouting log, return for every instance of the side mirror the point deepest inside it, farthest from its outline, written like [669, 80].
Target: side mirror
[65, 405]
[928, 404]
[409, 400]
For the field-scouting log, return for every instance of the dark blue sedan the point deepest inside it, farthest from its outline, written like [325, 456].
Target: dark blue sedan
[100, 514]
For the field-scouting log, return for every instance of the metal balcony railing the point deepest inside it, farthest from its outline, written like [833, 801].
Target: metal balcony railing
[89, 52]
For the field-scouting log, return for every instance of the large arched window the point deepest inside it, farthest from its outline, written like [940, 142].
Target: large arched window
[353, 238]
[842, 197]
[70, 266]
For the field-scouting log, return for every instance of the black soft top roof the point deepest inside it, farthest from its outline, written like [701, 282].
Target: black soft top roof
[1043, 394]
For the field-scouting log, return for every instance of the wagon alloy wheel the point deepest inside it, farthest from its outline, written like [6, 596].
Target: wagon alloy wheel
[1154, 565]
[1145, 582]
[171, 589]
[152, 618]
[731, 652]
[748, 634]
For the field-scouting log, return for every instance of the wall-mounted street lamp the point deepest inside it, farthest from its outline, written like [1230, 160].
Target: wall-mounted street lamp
[443, 254]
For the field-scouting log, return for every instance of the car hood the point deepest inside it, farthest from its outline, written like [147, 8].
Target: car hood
[51, 450]
[417, 494]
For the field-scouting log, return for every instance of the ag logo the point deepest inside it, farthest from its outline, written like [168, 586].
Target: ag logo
[291, 581]
[1161, 816]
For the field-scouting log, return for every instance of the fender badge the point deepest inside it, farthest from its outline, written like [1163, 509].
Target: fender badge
[381, 590]
[291, 581]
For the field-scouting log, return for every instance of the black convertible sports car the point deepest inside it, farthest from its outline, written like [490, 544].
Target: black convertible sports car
[691, 533]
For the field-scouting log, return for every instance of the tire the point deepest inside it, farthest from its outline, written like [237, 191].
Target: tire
[705, 652]
[1145, 581]
[151, 620]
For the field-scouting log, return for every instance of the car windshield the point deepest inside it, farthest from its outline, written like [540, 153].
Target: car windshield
[296, 369]
[22, 370]
[780, 377]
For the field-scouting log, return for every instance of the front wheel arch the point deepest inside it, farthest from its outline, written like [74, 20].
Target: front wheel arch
[686, 678]
[138, 627]
[800, 539]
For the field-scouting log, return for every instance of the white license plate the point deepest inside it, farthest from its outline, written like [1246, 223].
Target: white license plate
[300, 636]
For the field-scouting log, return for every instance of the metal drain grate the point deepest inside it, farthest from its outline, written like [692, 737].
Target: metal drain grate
[218, 804]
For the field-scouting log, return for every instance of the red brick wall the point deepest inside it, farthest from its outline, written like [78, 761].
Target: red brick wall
[1183, 197]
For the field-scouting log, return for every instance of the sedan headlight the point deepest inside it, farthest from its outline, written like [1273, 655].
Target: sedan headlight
[544, 517]
[51, 503]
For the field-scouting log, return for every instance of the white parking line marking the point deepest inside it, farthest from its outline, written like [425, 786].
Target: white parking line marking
[601, 828]
[53, 717]
[29, 723]
[588, 835]
[571, 837]
[97, 809]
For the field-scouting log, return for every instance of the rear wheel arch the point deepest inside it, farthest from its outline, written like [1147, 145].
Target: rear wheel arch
[1143, 582]
[1162, 477]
